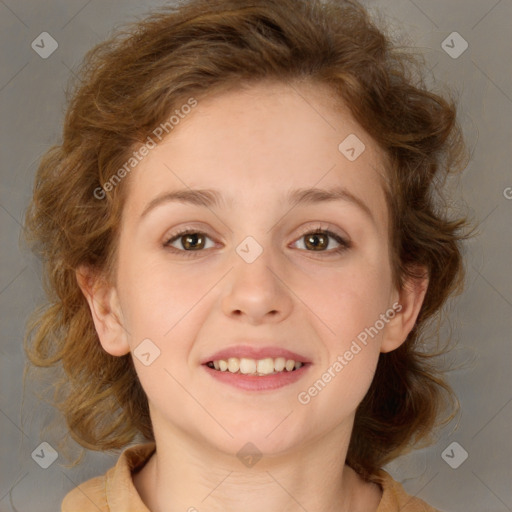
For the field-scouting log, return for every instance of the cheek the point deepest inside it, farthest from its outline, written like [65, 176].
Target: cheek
[351, 303]
[350, 299]
[160, 312]
[341, 387]
[157, 297]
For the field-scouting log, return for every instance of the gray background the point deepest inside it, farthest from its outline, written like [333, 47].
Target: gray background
[31, 109]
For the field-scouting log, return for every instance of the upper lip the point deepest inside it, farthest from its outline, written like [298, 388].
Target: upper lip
[251, 352]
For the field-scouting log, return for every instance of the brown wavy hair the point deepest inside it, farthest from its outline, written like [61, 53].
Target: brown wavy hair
[131, 83]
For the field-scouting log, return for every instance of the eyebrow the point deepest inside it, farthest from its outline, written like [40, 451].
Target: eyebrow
[209, 198]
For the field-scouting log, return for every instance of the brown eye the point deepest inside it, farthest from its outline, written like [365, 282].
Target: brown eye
[192, 241]
[188, 241]
[320, 240]
[316, 241]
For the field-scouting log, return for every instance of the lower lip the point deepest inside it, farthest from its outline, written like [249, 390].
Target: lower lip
[257, 383]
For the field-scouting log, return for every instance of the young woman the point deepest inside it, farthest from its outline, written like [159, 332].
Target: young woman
[242, 250]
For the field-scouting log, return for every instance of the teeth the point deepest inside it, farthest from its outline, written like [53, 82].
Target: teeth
[279, 364]
[290, 365]
[249, 366]
[266, 366]
[233, 364]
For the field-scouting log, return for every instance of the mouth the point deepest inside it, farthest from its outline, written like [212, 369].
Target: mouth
[259, 373]
[251, 368]
[255, 367]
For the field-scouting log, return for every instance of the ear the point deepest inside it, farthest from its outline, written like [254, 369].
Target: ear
[407, 305]
[105, 310]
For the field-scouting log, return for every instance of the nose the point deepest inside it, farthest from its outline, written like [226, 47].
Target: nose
[257, 292]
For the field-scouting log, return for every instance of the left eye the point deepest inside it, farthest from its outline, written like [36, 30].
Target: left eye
[319, 241]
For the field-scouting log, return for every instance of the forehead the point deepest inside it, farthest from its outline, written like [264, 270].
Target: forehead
[256, 143]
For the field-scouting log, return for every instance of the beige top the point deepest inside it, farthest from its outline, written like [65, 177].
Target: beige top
[115, 492]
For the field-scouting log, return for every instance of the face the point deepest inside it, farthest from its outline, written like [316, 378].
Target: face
[266, 272]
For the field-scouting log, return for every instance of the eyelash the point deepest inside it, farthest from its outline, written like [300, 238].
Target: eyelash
[344, 244]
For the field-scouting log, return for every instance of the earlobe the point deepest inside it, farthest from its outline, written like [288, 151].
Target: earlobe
[410, 298]
[105, 310]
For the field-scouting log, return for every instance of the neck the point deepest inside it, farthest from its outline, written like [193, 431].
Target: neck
[184, 474]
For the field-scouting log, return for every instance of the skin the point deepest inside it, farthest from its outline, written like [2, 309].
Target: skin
[254, 145]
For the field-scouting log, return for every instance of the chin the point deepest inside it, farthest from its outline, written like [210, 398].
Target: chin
[270, 434]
